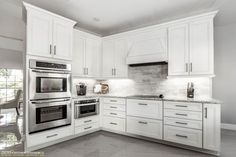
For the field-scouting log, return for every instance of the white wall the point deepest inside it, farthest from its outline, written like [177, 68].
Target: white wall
[224, 85]
[11, 26]
[11, 59]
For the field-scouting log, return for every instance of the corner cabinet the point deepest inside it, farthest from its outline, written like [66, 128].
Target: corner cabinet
[86, 54]
[114, 58]
[191, 50]
[48, 35]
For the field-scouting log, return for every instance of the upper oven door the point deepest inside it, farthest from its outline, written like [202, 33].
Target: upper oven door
[44, 84]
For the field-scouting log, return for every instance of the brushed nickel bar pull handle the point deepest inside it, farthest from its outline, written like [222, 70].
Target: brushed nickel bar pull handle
[186, 67]
[178, 114]
[113, 123]
[50, 49]
[182, 136]
[55, 49]
[140, 122]
[181, 106]
[191, 67]
[113, 100]
[87, 128]
[113, 107]
[87, 121]
[52, 135]
[113, 113]
[181, 123]
[142, 104]
[115, 71]
[206, 112]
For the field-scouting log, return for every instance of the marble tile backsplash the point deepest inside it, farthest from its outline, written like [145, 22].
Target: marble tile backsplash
[151, 80]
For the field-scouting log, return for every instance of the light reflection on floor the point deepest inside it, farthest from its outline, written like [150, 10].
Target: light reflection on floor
[11, 129]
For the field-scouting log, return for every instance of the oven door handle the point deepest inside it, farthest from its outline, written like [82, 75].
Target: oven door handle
[50, 71]
[86, 104]
[49, 101]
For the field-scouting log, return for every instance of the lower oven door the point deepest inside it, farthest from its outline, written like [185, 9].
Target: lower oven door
[48, 114]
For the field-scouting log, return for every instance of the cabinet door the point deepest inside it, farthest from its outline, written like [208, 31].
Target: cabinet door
[211, 127]
[178, 50]
[92, 57]
[201, 47]
[108, 58]
[62, 39]
[78, 60]
[120, 53]
[39, 34]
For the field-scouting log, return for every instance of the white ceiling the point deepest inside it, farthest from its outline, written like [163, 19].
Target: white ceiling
[107, 17]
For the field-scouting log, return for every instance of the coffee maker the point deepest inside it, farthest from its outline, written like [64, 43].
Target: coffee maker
[81, 89]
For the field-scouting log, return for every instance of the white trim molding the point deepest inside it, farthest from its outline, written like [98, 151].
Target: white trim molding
[228, 126]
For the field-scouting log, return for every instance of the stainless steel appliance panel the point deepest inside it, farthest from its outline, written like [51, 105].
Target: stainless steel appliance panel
[49, 114]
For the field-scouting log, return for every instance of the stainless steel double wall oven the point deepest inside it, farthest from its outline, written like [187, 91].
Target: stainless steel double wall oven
[49, 95]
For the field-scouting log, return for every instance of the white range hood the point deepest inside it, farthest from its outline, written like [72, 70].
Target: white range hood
[148, 47]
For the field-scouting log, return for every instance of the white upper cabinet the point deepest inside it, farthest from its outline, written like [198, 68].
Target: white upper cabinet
[178, 50]
[62, 39]
[201, 47]
[191, 45]
[114, 58]
[147, 46]
[39, 33]
[86, 55]
[48, 34]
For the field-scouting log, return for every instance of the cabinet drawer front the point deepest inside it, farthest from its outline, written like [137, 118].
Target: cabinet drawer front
[112, 113]
[86, 120]
[144, 127]
[85, 128]
[184, 136]
[183, 106]
[183, 123]
[114, 101]
[114, 107]
[144, 108]
[183, 114]
[48, 136]
[113, 123]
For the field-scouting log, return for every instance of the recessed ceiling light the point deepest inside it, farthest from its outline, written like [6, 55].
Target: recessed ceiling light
[96, 19]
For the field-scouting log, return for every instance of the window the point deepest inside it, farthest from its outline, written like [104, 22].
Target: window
[10, 81]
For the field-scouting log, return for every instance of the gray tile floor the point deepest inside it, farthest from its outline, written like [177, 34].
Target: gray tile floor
[104, 144]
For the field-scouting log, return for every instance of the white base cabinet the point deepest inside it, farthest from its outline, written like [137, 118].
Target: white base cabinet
[212, 127]
[184, 136]
[144, 127]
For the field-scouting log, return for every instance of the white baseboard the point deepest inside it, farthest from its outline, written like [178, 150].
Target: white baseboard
[228, 126]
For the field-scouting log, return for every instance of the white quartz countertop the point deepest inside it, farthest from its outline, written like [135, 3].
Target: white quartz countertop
[166, 98]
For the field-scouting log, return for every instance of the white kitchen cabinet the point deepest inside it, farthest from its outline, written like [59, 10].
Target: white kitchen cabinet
[48, 34]
[190, 137]
[62, 39]
[178, 50]
[114, 58]
[191, 48]
[39, 33]
[144, 127]
[144, 108]
[211, 127]
[86, 53]
[201, 47]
